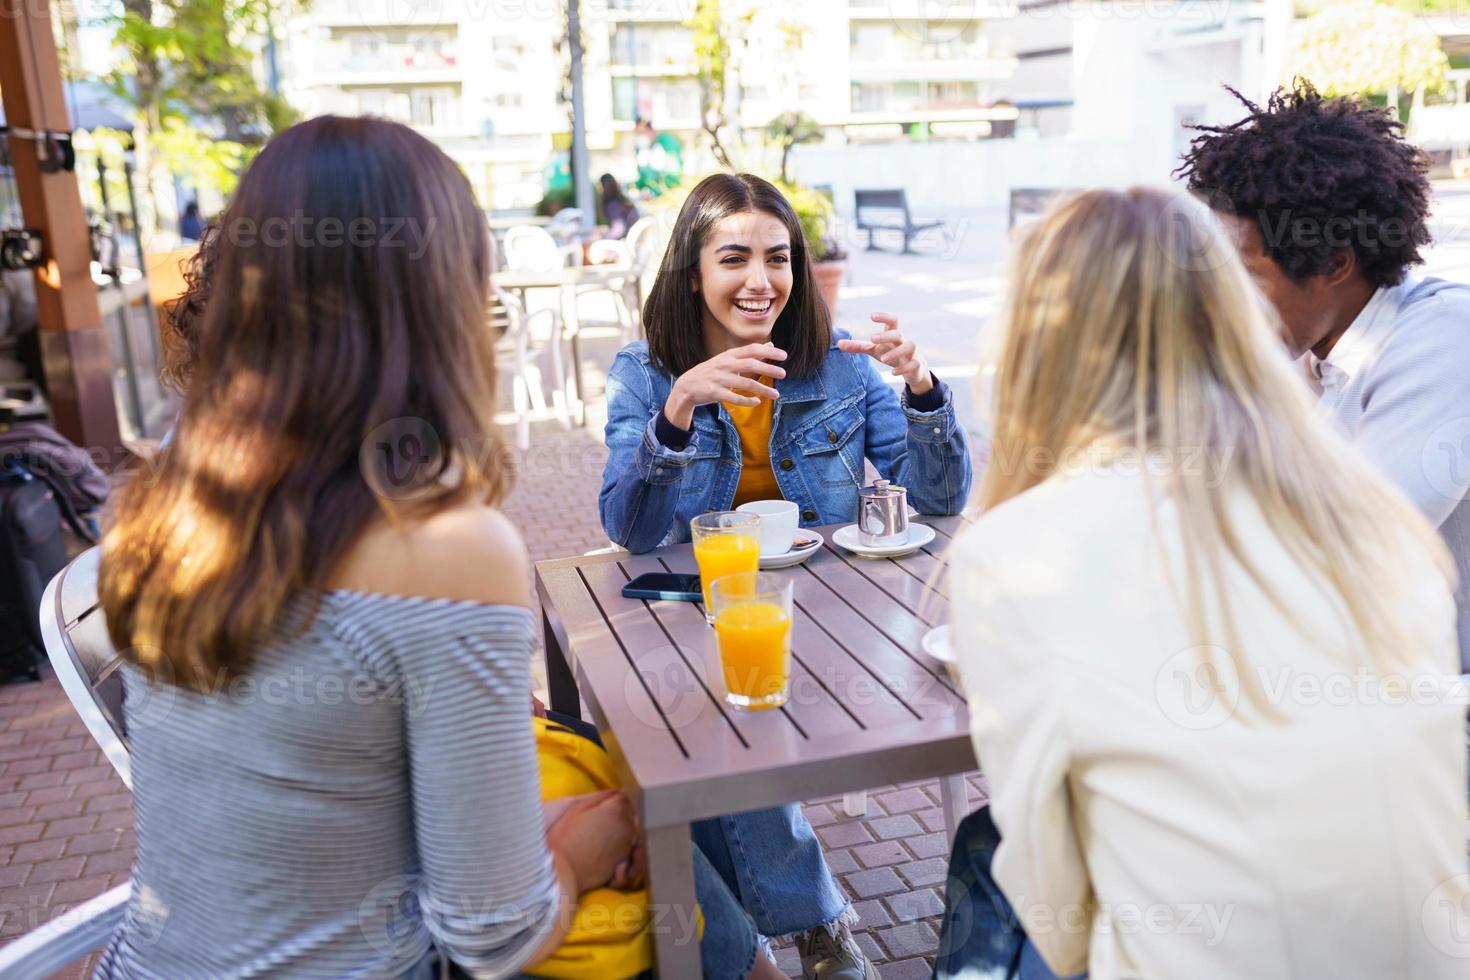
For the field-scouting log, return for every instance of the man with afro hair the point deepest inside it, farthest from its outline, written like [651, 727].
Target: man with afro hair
[1328, 206]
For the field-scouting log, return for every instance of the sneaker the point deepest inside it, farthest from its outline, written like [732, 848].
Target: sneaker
[829, 952]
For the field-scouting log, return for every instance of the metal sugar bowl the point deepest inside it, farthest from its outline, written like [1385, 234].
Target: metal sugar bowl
[883, 515]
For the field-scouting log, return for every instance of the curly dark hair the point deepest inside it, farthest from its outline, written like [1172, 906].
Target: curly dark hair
[1320, 175]
[180, 332]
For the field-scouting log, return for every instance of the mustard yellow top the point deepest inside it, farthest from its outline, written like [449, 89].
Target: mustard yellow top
[757, 479]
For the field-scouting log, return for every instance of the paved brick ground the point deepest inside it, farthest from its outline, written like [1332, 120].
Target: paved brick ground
[66, 819]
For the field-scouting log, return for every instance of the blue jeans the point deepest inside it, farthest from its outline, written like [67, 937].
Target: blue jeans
[772, 862]
[981, 938]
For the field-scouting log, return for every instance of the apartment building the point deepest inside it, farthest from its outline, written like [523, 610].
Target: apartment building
[486, 78]
[479, 77]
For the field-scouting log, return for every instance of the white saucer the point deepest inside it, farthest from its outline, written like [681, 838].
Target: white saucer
[937, 644]
[919, 535]
[793, 556]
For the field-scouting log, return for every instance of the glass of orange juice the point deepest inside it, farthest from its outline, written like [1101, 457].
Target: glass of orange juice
[725, 542]
[753, 628]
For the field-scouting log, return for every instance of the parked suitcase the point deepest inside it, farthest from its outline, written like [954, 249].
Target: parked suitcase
[32, 551]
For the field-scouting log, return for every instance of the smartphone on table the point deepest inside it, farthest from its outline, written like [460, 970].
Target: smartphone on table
[679, 586]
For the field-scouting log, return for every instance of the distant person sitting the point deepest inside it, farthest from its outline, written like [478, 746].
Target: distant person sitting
[191, 226]
[1329, 206]
[617, 210]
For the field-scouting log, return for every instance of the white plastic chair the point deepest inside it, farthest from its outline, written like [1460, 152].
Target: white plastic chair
[519, 352]
[74, 630]
[532, 249]
[614, 256]
[642, 242]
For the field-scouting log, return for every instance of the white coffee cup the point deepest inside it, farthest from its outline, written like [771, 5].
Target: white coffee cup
[779, 521]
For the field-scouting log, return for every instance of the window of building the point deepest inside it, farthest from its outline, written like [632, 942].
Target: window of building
[625, 99]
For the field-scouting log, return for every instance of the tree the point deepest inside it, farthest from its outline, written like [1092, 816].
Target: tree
[189, 72]
[788, 130]
[1368, 48]
[712, 64]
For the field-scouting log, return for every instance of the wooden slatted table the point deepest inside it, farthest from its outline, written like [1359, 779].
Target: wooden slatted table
[867, 706]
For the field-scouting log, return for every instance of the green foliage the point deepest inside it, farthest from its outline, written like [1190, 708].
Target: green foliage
[712, 65]
[201, 160]
[188, 67]
[1367, 48]
[789, 129]
[816, 213]
[1429, 7]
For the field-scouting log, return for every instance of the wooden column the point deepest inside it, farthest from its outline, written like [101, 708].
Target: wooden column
[77, 363]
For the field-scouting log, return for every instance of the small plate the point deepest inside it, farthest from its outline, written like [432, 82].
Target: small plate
[938, 644]
[794, 555]
[919, 535]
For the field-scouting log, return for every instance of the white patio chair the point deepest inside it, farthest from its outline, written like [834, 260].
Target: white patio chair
[532, 249]
[519, 352]
[643, 245]
[66, 939]
[612, 256]
[74, 629]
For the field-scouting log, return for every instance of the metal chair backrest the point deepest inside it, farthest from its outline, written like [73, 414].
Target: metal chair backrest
[74, 629]
[66, 939]
[532, 249]
[566, 223]
[881, 200]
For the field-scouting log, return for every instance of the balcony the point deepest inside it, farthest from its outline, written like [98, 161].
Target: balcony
[650, 69]
[928, 10]
[642, 11]
[922, 69]
[339, 64]
[381, 13]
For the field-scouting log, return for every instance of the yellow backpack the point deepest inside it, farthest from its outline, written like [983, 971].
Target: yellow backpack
[610, 938]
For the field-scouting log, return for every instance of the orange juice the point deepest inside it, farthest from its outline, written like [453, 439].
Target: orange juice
[755, 652]
[725, 554]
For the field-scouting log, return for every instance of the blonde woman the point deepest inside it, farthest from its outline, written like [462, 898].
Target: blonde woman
[1203, 643]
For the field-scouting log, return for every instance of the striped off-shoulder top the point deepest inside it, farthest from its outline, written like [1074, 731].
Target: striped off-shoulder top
[368, 790]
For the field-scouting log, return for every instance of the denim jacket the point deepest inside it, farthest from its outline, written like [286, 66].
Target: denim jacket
[822, 429]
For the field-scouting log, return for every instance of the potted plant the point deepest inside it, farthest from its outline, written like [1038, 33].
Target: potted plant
[816, 214]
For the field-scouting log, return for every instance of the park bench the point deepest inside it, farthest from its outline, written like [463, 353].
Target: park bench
[888, 210]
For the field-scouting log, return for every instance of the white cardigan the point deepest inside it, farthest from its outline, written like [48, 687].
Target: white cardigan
[1150, 827]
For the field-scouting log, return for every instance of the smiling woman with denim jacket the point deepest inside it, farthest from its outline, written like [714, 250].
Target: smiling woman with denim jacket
[733, 308]
[693, 425]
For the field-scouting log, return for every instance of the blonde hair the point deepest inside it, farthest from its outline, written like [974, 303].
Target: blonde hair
[1129, 323]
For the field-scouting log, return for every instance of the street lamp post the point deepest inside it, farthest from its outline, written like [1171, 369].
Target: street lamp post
[581, 185]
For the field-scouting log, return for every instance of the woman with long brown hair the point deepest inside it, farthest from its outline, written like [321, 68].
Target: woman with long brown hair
[326, 622]
[1209, 652]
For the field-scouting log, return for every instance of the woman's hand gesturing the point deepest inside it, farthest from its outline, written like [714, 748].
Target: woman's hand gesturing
[733, 376]
[891, 348]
